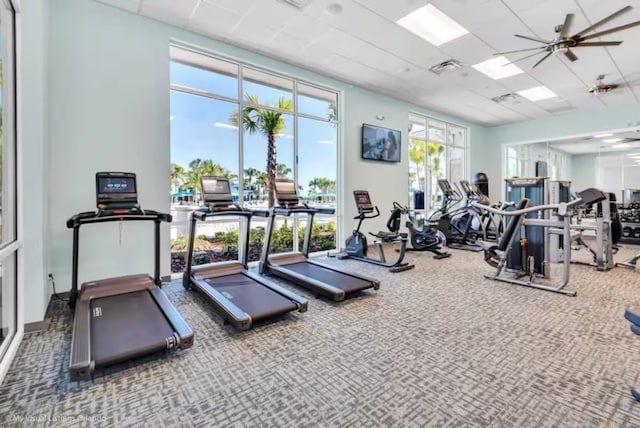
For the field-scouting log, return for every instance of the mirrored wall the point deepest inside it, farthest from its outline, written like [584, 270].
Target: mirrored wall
[609, 161]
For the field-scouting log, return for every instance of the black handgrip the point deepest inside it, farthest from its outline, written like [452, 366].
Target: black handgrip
[73, 221]
[260, 213]
[327, 210]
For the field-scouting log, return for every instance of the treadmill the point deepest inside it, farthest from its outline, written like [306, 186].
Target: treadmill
[121, 318]
[241, 297]
[296, 267]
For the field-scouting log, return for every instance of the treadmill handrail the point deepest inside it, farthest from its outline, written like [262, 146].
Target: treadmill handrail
[204, 213]
[89, 217]
[303, 209]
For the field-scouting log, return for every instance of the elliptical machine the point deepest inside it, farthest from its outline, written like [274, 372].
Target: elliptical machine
[425, 239]
[356, 246]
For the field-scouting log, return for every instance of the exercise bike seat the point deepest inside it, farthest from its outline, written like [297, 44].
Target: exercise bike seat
[633, 316]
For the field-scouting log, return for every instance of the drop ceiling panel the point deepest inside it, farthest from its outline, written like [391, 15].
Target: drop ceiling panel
[173, 12]
[364, 45]
[239, 7]
[469, 47]
[213, 20]
[392, 10]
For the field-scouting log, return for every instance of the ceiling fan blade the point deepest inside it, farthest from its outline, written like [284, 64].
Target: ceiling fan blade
[566, 26]
[543, 58]
[520, 59]
[602, 21]
[598, 44]
[520, 50]
[570, 55]
[546, 42]
[609, 31]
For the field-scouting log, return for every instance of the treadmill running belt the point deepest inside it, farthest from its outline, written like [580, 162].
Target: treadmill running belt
[125, 326]
[340, 280]
[255, 299]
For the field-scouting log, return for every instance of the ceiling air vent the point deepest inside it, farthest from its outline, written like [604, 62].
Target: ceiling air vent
[448, 65]
[298, 4]
[511, 97]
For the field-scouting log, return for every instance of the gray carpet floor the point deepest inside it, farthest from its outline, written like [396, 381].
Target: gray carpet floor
[436, 346]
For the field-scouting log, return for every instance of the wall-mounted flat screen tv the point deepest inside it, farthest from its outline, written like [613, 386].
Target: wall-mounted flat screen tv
[380, 144]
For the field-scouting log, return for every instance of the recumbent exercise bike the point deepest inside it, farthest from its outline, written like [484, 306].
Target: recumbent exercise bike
[356, 246]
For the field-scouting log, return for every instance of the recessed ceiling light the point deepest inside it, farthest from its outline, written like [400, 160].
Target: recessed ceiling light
[602, 135]
[333, 9]
[432, 25]
[538, 93]
[621, 146]
[612, 140]
[498, 68]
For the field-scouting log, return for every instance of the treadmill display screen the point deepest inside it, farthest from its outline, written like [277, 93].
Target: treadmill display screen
[215, 186]
[116, 185]
[116, 188]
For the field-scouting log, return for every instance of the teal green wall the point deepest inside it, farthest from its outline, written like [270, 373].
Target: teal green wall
[104, 105]
[32, 33]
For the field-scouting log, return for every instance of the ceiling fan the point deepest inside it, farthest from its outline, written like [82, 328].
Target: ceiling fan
[600, 87]
[563, 43]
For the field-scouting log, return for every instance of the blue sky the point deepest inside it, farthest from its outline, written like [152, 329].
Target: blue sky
[201, 128]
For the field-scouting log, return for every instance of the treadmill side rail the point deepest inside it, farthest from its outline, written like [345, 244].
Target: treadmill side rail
[300, 301]
[238, 318]
[81, 365]
[328, 290]
[374, 282]
[182, 329]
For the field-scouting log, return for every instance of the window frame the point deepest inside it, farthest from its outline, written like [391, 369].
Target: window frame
[242, 103]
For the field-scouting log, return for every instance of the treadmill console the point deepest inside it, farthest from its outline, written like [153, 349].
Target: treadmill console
[363, 201]
[445, 187]
[286, 193]
[116, 192]
[216, 191]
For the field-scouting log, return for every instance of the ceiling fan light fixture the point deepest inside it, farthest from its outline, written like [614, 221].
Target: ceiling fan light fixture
[431, 24]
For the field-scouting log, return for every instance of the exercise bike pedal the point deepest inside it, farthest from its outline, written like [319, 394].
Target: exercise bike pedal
[441, 256]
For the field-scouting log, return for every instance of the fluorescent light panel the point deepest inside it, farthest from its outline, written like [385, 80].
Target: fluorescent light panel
[498, 68]
[432, 25]
[621, 146]
[538, 93]
[602, 135]
[612, 140]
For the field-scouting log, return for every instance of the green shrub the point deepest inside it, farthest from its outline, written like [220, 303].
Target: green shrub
[228, 238]
[201, 243]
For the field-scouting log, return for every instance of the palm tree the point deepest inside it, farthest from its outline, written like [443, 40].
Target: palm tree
[249, 174]
[262, 181]
[314, 184]
[282, 171]
[199, 168]
[269, 123]
[178, 175]
[435, 151]
[417, 155]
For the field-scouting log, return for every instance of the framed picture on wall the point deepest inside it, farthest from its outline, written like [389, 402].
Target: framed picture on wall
[380, 144]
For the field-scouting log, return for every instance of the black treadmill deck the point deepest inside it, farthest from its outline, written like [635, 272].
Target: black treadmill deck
[127, 325]
[339, 280]
[255, 299]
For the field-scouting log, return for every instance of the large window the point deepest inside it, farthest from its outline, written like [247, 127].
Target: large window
[436, 150]
[8, 231]
[251, 126]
